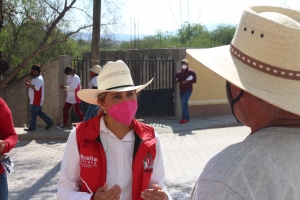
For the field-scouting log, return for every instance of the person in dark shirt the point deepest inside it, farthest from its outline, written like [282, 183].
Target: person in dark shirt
[186, 77]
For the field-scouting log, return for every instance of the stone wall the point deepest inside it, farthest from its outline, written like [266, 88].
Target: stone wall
[16, 93]
[16, 97]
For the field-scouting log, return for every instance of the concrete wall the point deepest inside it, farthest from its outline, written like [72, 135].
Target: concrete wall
[16, 93]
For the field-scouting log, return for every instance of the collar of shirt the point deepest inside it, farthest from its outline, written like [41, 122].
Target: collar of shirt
[186, 70]
[129, 137]
[37, 75]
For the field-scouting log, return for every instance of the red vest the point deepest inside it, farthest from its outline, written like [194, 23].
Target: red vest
[93, 158]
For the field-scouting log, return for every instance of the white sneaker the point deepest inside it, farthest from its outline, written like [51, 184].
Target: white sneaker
[62, 126]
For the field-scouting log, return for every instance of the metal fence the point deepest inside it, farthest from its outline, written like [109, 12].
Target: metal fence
[156, 100]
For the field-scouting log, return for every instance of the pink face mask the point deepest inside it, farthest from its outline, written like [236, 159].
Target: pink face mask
[123, 112]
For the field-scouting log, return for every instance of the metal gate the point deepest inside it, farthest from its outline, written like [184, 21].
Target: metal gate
[156, 100]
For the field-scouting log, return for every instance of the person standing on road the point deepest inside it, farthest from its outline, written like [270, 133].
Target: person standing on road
[262, 69]
[36, 96]
[93, 109]
[186, 77]
[8, 139]
[72, 100]
[113, 156]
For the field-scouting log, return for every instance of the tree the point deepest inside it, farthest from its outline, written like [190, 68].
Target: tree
[222, 35]
[192, 35]
[189, 35]
[36, 30]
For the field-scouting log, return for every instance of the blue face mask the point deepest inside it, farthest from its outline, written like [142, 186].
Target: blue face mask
[232, 101]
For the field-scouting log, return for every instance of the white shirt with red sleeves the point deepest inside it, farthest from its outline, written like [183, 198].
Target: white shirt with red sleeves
[93, 83]
[73, 86]
[37, 96]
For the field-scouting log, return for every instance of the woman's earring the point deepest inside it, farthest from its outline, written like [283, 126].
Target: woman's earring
[105, 111]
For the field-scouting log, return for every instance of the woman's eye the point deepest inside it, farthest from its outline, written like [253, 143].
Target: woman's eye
[116, 97]
[129, 93]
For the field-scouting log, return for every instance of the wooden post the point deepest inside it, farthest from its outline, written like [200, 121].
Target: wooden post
[96, 33]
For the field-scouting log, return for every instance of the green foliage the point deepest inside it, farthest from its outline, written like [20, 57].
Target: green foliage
[25, 26]
[188, 36]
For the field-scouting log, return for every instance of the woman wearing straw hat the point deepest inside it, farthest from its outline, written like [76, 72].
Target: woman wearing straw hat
[93, 109]
[113, 156]
[262, 69]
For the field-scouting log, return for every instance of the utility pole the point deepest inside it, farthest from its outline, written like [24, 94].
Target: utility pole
[189, 22]
[1, 22]
[96, 33]
[181, 25]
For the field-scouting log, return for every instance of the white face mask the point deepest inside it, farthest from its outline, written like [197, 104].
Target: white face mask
[69, 76]
[183, 66]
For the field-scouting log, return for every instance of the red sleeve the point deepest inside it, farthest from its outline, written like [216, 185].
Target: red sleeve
[7, 129]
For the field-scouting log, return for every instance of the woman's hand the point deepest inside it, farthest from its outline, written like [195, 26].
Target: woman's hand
[2, 145]
[155, 193]
[113, 193]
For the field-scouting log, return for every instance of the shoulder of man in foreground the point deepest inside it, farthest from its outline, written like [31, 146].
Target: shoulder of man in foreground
[260, 167]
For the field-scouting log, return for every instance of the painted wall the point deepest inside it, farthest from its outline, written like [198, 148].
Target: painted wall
[209, 93]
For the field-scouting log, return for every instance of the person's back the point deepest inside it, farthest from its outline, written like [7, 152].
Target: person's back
[264, 166]
[73, 83]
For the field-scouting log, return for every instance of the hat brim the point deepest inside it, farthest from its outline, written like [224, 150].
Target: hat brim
[90, 95]
[94, 71]
[283, 93]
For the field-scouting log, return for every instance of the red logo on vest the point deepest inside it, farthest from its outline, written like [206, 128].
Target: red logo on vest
[148, 163]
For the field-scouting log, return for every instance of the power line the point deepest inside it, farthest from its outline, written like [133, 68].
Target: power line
[283, 3]
[173, 14]
[199, 15]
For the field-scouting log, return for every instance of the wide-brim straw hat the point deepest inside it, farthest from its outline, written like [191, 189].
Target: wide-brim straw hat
[96, 69]
[114, 77]
[263, 58]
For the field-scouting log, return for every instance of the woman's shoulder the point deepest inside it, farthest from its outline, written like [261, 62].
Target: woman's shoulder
[2, 104]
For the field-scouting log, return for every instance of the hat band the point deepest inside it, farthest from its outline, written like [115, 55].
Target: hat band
[263, 67]
[121, 86]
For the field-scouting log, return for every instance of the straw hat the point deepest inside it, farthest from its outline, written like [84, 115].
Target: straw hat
[114, 77]
[263, 58]
[185, 61]
[96, 69]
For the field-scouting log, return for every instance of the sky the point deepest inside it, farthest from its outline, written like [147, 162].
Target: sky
[166, 15]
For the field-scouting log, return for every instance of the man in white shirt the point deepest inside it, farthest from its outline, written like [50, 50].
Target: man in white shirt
[72, 100]
[36, 95]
